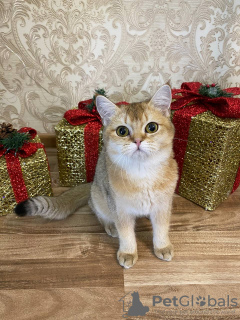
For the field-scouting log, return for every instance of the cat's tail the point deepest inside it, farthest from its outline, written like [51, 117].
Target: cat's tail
[55, 208]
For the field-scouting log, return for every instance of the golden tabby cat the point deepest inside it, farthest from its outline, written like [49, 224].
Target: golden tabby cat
[135, 176]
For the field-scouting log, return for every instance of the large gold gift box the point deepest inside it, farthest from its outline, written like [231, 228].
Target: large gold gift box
[211, 160]
[206, 144]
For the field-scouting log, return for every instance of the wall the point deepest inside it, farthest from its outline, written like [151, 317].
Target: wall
[55, 53]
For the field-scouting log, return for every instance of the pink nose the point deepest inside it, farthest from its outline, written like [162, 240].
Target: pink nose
[138, 142]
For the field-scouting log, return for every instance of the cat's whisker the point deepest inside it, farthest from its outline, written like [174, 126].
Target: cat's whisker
[117, 164]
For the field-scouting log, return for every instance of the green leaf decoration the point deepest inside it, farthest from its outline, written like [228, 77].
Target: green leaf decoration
[15, 140]
[213, 91]
[101, 92]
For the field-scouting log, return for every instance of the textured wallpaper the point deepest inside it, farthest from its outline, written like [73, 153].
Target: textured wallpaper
[55, 53]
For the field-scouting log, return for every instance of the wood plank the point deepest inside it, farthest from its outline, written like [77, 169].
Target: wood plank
[65, 246]
[47, 261]
[61, 304]
[200, 258]
[86, 222]
[60, 273]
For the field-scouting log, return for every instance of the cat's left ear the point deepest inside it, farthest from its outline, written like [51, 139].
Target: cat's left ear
[162, 99]
[105, 108]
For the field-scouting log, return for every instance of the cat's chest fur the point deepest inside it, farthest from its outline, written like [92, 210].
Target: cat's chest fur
[138, 191]
[142, 203]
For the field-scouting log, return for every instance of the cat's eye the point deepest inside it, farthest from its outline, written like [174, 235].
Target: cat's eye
[122, 131]
[151, 127]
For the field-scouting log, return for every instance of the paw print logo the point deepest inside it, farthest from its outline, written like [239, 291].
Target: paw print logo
[201, 301]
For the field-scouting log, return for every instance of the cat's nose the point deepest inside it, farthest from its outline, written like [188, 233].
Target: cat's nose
[138, 142]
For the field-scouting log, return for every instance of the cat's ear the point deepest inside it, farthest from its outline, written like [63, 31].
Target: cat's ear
[162, 99]
[105, 108]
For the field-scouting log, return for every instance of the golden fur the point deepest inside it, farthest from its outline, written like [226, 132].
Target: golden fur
[130, 183]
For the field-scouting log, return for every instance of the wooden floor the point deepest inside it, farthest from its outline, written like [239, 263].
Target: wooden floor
[67, 270]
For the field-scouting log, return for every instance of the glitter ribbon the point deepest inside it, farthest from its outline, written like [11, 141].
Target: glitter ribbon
[13, 163]
[93, 123]
[189, 103]
[224, 107]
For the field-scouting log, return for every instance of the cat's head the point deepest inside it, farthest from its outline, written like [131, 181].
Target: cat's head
[139, 130]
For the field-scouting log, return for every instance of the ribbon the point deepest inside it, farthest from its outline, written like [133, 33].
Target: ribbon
[189, 103]
[14, 166]
[224, 107]
[93, 123]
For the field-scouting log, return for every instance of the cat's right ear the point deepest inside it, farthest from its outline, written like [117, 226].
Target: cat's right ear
[162, 100]
[105, 108]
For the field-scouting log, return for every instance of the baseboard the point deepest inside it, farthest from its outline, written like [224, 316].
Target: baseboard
[49, 140]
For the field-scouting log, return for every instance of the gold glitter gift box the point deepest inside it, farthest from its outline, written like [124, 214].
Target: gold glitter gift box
[79, 141]
[206, 145]
[24, 174]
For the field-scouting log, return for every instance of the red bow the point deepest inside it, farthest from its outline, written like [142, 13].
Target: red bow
[27, 149]
[82, 115]
[224, 107]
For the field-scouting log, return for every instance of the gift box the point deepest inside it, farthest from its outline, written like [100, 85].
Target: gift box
[24, 173]
[206, 144]
[79, 142]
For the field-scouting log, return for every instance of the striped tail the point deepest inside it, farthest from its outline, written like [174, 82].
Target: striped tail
[55, 208]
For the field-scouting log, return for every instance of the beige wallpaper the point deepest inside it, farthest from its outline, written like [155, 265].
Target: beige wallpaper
[55, 53]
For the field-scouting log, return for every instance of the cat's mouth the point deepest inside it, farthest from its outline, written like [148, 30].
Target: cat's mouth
[139, 152]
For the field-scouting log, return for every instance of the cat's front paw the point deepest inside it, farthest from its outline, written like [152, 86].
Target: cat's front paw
[127, 260]
[165, 253]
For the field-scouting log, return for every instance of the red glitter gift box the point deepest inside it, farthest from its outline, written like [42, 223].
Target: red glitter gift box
[206, 144]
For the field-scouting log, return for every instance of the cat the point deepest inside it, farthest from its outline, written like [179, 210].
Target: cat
[136, 175]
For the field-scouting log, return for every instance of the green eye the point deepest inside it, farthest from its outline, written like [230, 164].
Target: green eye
[122, 131]
[151, 127]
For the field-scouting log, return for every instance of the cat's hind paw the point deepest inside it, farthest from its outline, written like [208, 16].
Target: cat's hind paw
[127, 260]
[165, 253]
[111, 230]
